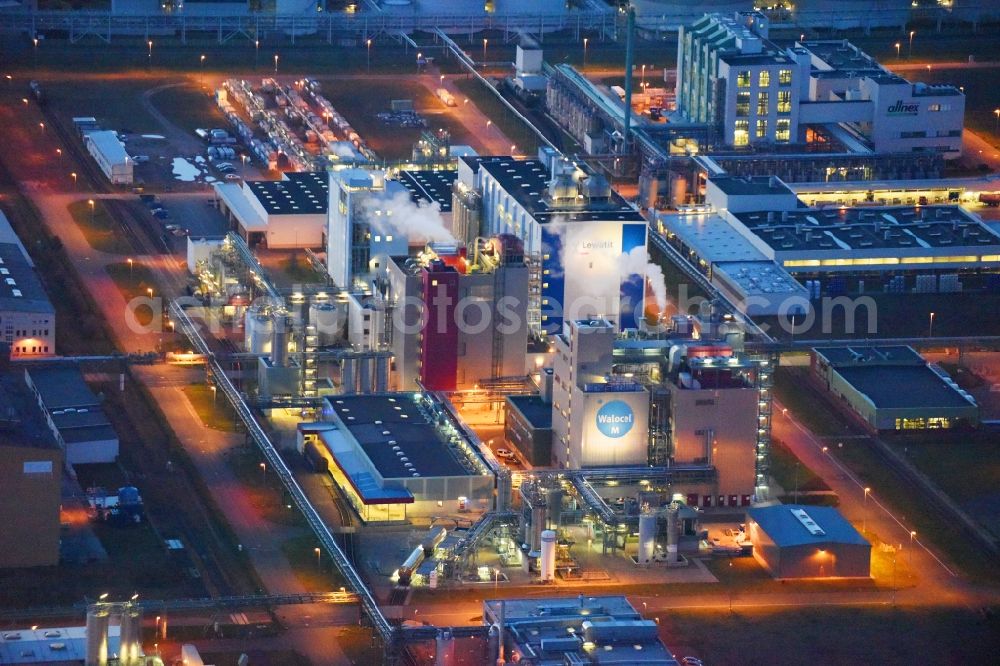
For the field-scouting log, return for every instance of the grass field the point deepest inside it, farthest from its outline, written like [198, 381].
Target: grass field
[263, 489]
[525, 140]
[134, 281]
[98, 227]
[832, 635]
[316, 574]
[214, 413]
[790, 474]
[189, 106]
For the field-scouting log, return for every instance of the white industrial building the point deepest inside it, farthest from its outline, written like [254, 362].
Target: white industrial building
[575, 230]
[731, 76]
[280, 214]
[597, 420]
[359, 226]
[27, 318]
[110, 154]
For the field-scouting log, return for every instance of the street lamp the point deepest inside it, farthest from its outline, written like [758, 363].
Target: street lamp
[930, 327]
[59, 153]
[263, 470]
[913, 534]
[642, 79]
[92, 204]
[485, 41]
[149, 290]
[319, 554]
[996, 121]
[369, 43]
[130, 262]
[275, 63]
[73, 176]
[864, 527]
[909, 51]
[488, 123]
[256, 53]
[585, 40]
[202, 68]
[897, 50]
[150, 45]
[42, 125]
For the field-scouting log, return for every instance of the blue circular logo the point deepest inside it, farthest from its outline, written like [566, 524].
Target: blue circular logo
[615, 419]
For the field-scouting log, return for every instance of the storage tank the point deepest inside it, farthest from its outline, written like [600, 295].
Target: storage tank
[98, 619]
[279, 346]
[259, 331]
[328, 322]
[382, 374]
[365, 375]
[130, 647]
[647, 538]
[348, 376]
[547, 561]
[673, 531]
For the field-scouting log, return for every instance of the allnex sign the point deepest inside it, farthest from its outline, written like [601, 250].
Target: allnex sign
[901, 109]
[615, 419]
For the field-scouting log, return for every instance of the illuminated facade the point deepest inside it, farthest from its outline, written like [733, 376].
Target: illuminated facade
[27, 318]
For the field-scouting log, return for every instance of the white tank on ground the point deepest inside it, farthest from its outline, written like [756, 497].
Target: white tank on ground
[547, 560]
[647, 538]
[98, 621]
[328, 322]
[259, 330]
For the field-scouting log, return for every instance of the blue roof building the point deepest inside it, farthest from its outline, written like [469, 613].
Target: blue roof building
[796, 541]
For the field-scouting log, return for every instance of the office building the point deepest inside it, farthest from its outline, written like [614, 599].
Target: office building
[396, 455]
[730, 76]
[27, 318]
[793, 541]
[583, 242]
[892, 388]
[279, 214]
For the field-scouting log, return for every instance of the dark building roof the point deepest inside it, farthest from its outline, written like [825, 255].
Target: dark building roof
[300, 193]
[381, 422]
[537, 412]
[20, 287]
[22, 423]
[882, 354]
[738, 185]
[785, 529]
[903, 386]
[430, 185]
[528, 182]
[61, 387]
[865, 228]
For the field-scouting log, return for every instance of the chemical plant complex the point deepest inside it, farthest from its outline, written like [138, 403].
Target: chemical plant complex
[429, 333]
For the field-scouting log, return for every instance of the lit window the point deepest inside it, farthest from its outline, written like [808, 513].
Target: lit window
[743, 78]
[742, 104]
[741, 135]
[388, 239]
[784, 101]
[761, 128]
[784, 77]
[783, 130]
[762, 103]
[764, 80]
[378, 239]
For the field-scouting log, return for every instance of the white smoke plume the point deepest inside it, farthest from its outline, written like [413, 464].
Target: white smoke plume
[418, 222]
[637, 262]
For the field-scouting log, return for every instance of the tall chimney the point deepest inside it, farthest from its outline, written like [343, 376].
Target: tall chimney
[629, 28]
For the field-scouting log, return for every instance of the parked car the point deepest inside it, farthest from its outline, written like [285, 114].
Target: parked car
[161, 214]
[505, 453]
[233, 176]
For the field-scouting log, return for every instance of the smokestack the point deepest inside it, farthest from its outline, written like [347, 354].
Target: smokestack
[630, 28]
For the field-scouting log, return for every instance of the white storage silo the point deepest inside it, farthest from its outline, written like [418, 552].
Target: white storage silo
[647, 538]
[259, 331]
[130, 647]
[547, 561]
[328, 322]
[98, 619]
[673, 531]
[279, 346]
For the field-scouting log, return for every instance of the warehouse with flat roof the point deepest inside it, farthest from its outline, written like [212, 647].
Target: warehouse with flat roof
[397, 455]
[892, 388]
[27, 317]
[280, 214]
[793, 541]
[110, 154]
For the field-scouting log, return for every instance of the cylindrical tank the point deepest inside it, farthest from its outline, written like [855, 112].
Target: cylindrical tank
[98, 619]
[130, 646]
[327, 320]
[433, 538]
[547, 561]
[365, 375]
[444, 654]
[381, 374]
[409, 566]
[647, 538]
[673, 511]
[348, 376]
[258, 331]
[537, 526]
[279, 346]
[553, 507]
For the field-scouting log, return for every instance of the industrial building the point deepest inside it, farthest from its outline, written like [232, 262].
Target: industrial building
[74, 414]
[576, 630]
[27, 318]
[793, 541]
[579, 236]
[598, 419]
[458, 315]
[892, 388]
[528, 427]
[359, 225]
[31, 465]
[396, 455]
[279, 214]
[771, 253]
[729, 75]
[110, 154]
